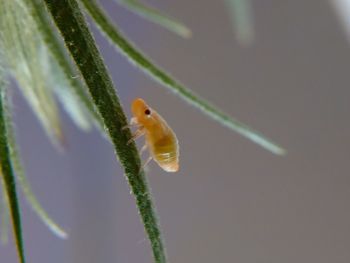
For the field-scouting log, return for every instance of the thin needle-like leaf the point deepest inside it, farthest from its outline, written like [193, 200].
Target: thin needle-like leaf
[141, 61]
[4, 214]
[81, 45]
[24, 183]
[242, 20]
[27, 60]
[157, 17]
[8, 177]
[4, 202]
[23, 56]
[76, 91]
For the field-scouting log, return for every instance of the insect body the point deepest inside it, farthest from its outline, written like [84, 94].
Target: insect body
[160, 139]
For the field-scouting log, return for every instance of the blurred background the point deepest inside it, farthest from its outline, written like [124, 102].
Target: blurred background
[232, 201]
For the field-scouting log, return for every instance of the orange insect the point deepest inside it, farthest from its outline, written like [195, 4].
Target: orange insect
[160, 138]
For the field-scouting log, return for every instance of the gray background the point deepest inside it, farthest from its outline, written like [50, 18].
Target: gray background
[231, 201]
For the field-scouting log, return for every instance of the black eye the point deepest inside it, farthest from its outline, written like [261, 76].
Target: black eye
[147, 112]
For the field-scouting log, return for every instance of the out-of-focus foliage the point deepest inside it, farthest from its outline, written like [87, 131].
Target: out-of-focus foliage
[241, 15]
[156, 17]
[39, 60]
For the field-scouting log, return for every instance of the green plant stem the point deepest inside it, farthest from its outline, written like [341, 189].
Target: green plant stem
[140, 60]
[9, 178]
[81, 45]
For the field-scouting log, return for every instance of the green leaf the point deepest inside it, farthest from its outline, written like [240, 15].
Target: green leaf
[26, 59]
[66, 95]
[21, 48]
[242, 20]
[23, 181]
[81, 45]
[141, 61]
[67, 85]
[157, 17]
[8, 176]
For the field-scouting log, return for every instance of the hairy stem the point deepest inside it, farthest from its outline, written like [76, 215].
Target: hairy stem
[81, 45]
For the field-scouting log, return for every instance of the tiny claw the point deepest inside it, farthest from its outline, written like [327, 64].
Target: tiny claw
[143, 166]
[133, 123]
[129, 141]
[125, 127]
[136, 135]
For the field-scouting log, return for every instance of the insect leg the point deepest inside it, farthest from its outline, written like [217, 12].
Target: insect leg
[145, 163]
[132, 124]
[144, 148]
[137, 134]
[133, 121]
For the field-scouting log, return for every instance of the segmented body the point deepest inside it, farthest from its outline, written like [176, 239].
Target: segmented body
[160, 138]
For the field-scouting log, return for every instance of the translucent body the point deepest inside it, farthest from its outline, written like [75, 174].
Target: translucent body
[160, 139]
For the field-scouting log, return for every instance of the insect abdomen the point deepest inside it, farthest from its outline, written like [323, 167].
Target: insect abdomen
[165, 153]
